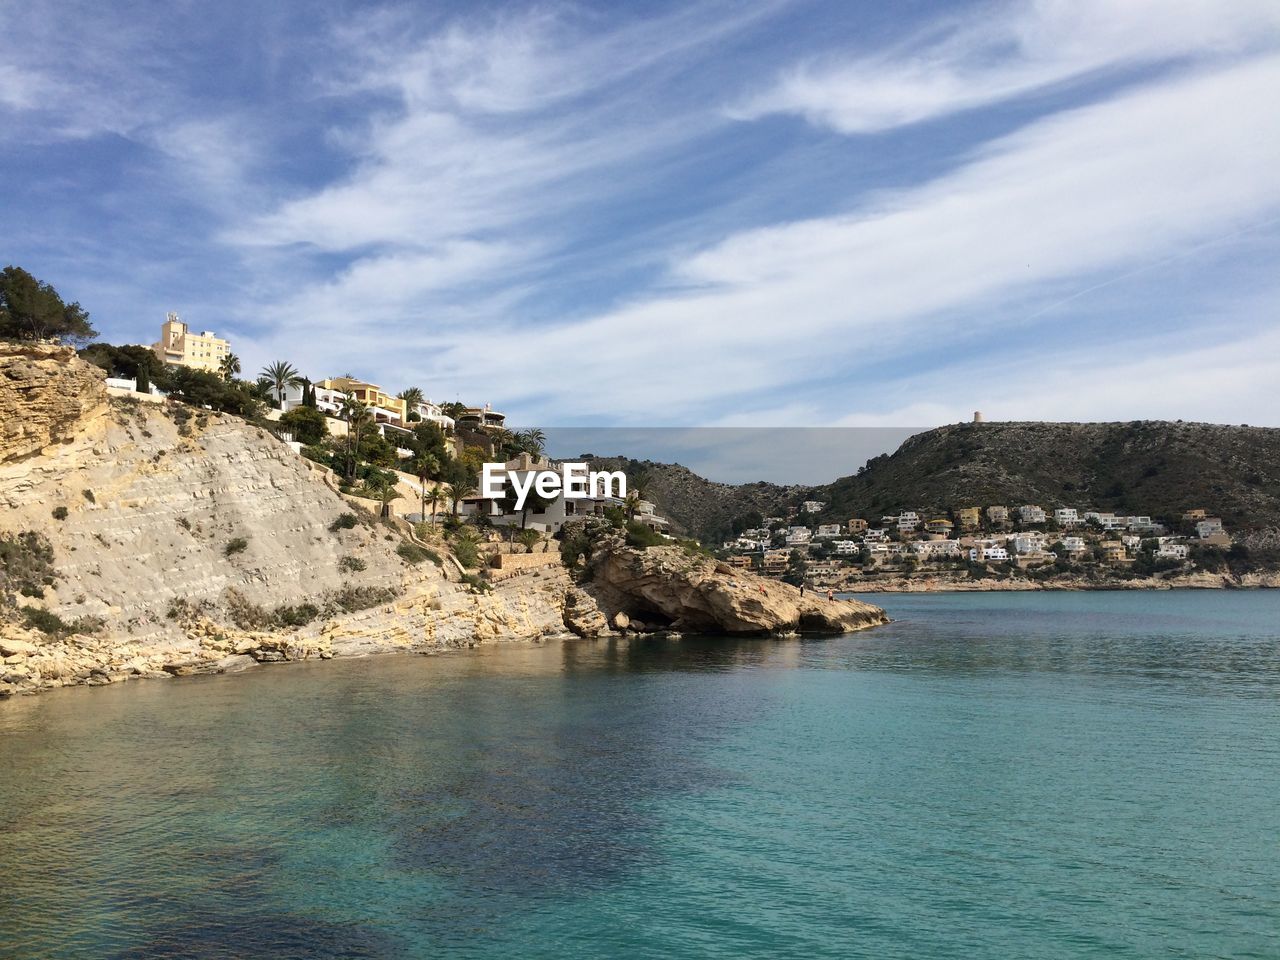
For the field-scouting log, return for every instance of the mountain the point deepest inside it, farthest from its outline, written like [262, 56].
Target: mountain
[1141, 467]
[697, 506]
[1156, 468]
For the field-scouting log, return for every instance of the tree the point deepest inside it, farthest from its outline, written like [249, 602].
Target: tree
[412, 396]
[130, 362]
[31, 310]
[457, 492]
[279, 377]
[229, 366]
[385, 491]
[424, 468]
[358, 418]
[435, 496]
[533, 441]
[306, 424]
[453, 408]
[530, 538]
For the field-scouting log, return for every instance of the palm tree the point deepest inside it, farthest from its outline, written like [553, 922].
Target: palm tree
[358, 417]
[435, 497]
[280, 376]
[386, 492]
[457, 492]
[533, 440]
[411, 396]
[424, 466]
[529, 538]
[229, 366]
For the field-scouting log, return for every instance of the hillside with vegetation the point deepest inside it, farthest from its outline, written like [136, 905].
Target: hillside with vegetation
[699, 507]
[1156, 468]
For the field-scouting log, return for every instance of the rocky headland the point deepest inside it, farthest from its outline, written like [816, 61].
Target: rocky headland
[159, 540]
[679, 589]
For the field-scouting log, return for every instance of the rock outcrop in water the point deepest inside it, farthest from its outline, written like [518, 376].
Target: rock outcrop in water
[672, 587]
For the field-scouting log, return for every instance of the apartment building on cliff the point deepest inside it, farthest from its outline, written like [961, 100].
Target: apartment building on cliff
[179, 347]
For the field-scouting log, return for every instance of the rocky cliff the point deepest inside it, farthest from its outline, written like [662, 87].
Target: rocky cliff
[45, 397]
[671, 587]
[146, 540]
[156, 540]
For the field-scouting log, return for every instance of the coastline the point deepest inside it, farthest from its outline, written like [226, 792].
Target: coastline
[933, 584]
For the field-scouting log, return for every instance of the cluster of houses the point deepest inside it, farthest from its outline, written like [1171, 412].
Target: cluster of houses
[1025, 536]
[396, 416]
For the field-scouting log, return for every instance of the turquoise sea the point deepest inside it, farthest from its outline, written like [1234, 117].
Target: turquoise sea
[1049, 775]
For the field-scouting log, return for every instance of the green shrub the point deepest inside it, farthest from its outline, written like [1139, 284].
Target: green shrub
[59, 513]
[344, 521]
[54, 626]
[351, 564]
[467, 552]
[307, 425]
[412, 553]
[351, 599]
[638, 535]
[234, 546]
[26, 564]
[298, 616]
[476, 584]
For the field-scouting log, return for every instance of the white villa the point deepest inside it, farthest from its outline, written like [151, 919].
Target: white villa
[1067, 517]
[1208, 527]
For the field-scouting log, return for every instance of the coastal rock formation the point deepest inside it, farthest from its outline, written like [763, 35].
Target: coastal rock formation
[668, 585]
[46, 395]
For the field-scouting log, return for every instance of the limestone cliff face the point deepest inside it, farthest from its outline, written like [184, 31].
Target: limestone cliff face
[172, 538]
[153, 512]
[46, 395]
[698, 593]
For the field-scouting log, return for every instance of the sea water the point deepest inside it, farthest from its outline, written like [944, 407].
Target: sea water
[1041, 775]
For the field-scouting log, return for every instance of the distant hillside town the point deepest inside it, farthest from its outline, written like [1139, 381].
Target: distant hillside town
[1027, 540]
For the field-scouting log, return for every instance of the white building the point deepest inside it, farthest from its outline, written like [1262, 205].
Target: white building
[813, 506]
[908, 521]
[828, 530]
[797, 536]
[1030, 541]
[983, 553]
[846, 547]
[1074, 545]
[1067, 517]
[936, 549]
[876, 536]
[1208, 527]
[1031, 514]
[1172, 551]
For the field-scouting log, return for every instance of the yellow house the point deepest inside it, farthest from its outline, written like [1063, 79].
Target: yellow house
[385, 408]
[968, 517]
[1113, 551]
[182, 348]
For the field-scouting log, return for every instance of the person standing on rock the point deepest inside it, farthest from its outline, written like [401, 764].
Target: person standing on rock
[831, 595]
[802, 588]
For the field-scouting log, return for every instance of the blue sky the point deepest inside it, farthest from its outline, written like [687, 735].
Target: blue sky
[693, 214]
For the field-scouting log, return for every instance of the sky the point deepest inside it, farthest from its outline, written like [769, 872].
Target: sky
[697, 214]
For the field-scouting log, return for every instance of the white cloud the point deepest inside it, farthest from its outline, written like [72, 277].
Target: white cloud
[1011, 50]
[1101, 188]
